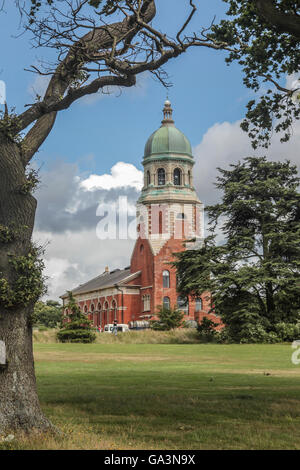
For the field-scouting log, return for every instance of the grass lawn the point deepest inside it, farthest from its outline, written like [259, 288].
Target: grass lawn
[160, 396]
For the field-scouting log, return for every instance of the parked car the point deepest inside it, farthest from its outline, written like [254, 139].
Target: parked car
[122, 327]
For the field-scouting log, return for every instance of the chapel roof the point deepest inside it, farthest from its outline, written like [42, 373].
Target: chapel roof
[105, 280]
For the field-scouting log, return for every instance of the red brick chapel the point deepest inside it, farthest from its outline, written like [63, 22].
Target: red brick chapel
[169, 215]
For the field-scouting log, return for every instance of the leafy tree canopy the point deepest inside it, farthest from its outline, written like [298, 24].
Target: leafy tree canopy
[47, 313]
[265, 37]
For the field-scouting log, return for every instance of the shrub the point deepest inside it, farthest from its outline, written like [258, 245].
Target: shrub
[78, 329]
[169, 319]
[287, 331]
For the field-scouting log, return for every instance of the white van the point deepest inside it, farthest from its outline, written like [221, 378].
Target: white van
[122, 327]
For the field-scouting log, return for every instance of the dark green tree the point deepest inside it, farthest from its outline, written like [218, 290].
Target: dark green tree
[168, 319]
[78, 329]
[265, 37]
[254, 273]
[47, 314]
[207, 329]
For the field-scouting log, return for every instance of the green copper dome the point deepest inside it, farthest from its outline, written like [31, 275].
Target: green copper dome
[167, 139]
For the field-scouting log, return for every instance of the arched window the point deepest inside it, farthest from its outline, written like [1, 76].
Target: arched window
[148, 178]
[189, 178]
[166, 279]
[85, 309]
[183, 304]
[114, 310]
[166, 302]
[106, 309]
[199, 304]
[177, 177]
[92, 308]
[99, 322]
[161, 177]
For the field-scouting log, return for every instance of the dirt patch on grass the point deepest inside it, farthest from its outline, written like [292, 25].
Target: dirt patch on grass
[268, 373]
[94, 358]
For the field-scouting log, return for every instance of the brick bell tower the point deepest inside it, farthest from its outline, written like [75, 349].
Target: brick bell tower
[169, 216]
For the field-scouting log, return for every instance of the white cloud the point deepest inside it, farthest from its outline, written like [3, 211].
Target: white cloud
[72, 258]
[122, 175]
[67, 219]
[225, 143]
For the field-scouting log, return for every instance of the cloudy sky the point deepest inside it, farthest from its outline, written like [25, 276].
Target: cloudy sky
[93, 156]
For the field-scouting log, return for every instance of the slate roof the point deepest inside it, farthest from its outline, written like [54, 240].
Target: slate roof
[105, 280]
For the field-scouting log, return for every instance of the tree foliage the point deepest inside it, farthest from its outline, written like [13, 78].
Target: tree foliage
[265, 36]
[207, 330]
[168, 319]
[254, 273]
[78, 329]
[48, 314]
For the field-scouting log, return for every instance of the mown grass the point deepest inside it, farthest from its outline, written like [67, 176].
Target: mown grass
[168, 396]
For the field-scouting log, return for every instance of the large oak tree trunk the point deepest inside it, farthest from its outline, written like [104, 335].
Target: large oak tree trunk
[19, 404]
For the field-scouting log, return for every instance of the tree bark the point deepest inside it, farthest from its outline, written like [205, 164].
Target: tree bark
[285, 22]
[19, 404]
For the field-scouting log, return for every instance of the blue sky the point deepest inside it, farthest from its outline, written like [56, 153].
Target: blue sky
[101, 139]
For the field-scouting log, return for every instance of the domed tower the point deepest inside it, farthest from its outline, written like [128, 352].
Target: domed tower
[169, 206]
[169, 220]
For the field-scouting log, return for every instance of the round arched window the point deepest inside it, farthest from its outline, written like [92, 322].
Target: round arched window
[177, 177]
[166, 279]
[161, 177]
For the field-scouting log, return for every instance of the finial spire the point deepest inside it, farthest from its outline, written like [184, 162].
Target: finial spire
[168, 113]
